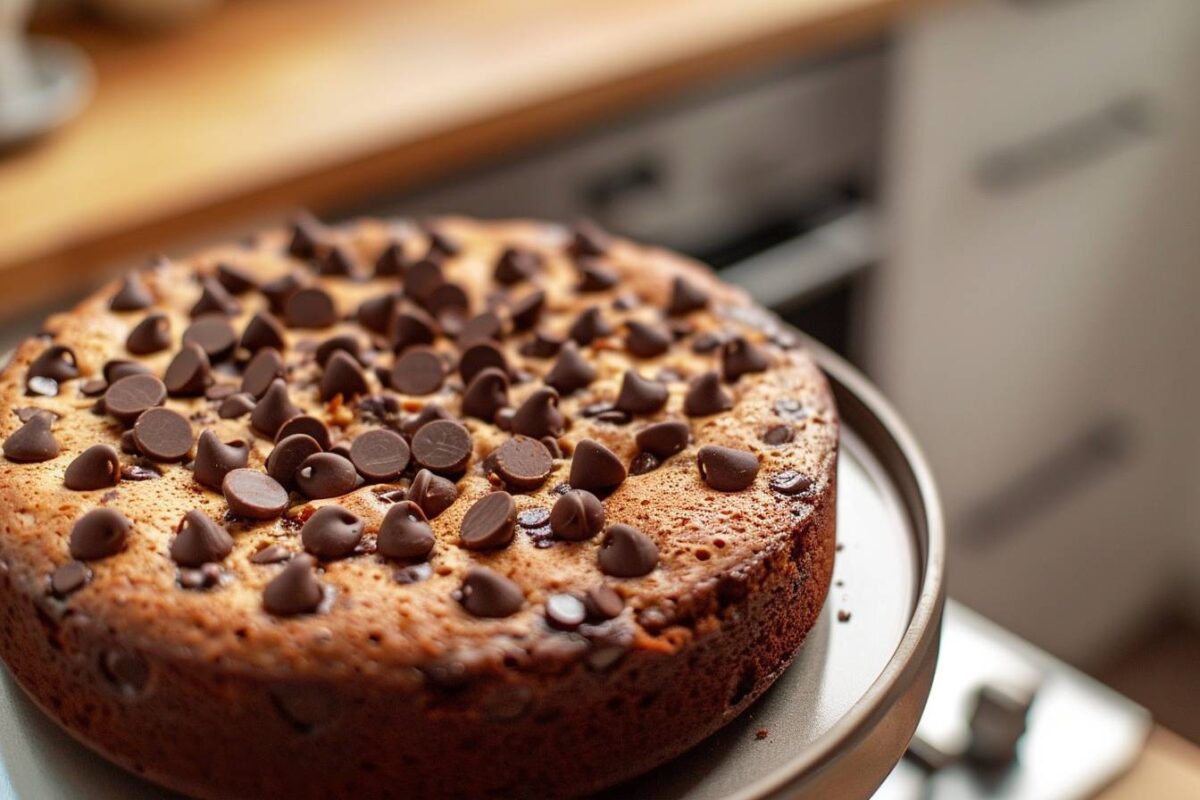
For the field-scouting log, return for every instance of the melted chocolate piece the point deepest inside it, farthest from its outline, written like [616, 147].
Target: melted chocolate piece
[790, 482]
[69, 578]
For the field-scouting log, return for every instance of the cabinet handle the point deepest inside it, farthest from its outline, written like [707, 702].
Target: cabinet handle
[1076, 144]
[1090, 456]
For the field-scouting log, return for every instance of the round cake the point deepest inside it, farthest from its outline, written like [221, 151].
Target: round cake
[396, 509]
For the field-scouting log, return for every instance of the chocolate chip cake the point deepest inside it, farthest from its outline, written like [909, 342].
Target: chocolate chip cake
[396, 509]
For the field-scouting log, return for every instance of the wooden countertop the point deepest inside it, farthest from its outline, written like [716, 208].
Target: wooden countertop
[1168, 768]
[273, 104]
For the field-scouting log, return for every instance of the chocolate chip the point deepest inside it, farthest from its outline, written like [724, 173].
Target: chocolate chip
[235, 406]
[98, 534]
[343, 377]
[639, 395]
[646, 341]
[603, 602]
[151, 335]
[779, 434]
[295, 590]
[342, 343]
[98, 467]
[309, 426]
[279, 290]
[188, 373]
[565, 612]
[706, 342]
[391, 261]
[426, 415]
[577, 516]
[434, 494]
[287, 456]
[482, 327]
[539, 416]
[253, 494]
[486, 394]
[307, 234]
[379, 455]
[128, 397]
[594, 276]
[571, 371]
[588, 239]
[219, 391]
[264, 368]
[663, 439]
[214, 334]
[479, 357]
[522, 462]
[69, 578]
[163, 434]
[448, 299]
[442, 446]
[142, 471]
[791, 482]
[331, 532]
[490, 523]
[338, 262]
[29, 412]
[516, 264]
[132, 295]
[405, 532]
[527, 310]
[56, 363]
[214, 300]
[233, 279]
[595, 468]
[627, 552]
[216, 459]
[422, 278]
[128, 443]
[326, 475]
[32, 442]
[441, 244]
[542, 345]
[206, 577]
[686, 297]
[274, 409]
[310, 307]
[263, 330]
[199, 540]
[739, 357]
[271, 554]
[93, 387]
[376, 313]
[486, 593]
[644, 462]
[418, 371]
[726, 469]
[412, 327]
[589, 326]
[706, 396]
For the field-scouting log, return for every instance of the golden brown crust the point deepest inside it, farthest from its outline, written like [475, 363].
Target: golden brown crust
[132, 662]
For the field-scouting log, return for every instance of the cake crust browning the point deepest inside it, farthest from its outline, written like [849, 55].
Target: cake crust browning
[391, 688]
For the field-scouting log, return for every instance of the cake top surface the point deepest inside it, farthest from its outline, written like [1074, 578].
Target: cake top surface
[382, 445]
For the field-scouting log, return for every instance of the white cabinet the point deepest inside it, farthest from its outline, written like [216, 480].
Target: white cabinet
[1034, 319]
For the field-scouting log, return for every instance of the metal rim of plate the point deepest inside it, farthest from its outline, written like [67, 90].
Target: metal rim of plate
[864, 745]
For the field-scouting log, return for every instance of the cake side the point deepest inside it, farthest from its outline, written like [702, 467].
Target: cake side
[737, 579]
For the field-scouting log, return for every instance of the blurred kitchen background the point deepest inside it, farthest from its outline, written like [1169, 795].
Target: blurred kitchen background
[991, 206]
